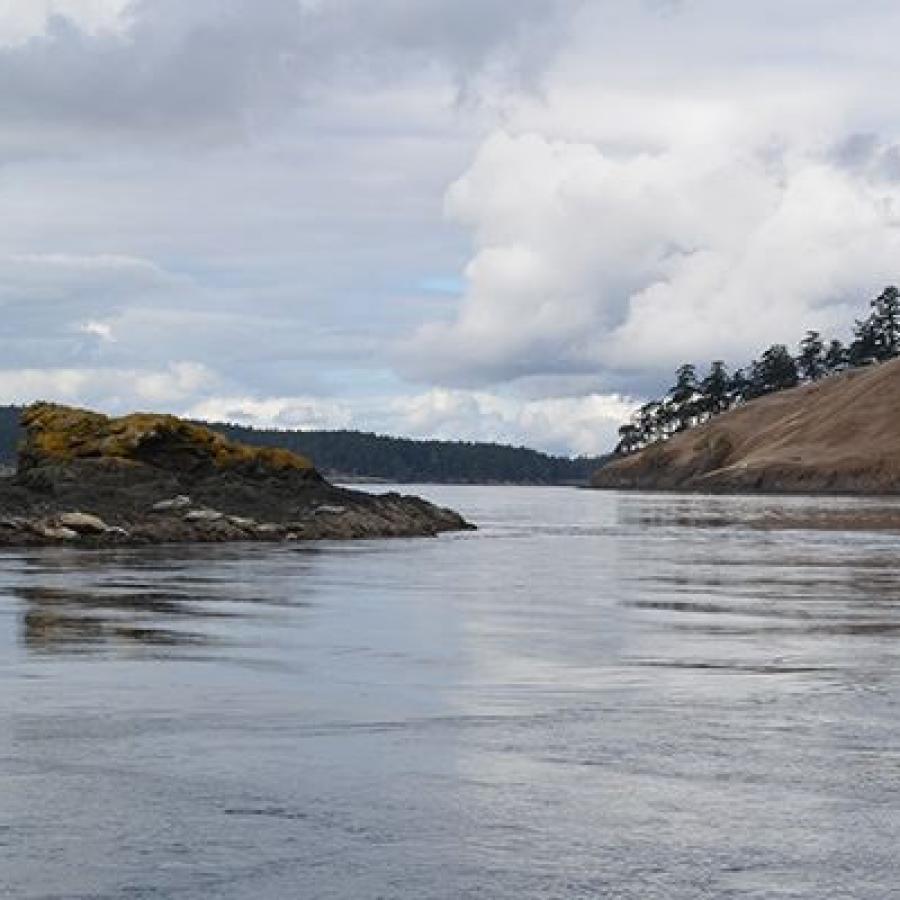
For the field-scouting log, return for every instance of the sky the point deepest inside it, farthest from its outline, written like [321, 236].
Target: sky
[479, 219]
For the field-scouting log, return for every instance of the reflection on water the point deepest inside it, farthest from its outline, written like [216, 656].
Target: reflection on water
[56, 619]
[80, 602]
[594, 695]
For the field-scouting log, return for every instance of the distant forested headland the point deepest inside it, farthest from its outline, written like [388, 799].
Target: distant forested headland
[363, 455]
[695, 399]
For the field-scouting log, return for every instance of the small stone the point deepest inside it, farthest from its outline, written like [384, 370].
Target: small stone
[182, 501]
[57, 532]
[242, 522]
[203, 515]
[329, 510]
[269, 528]
[82, 523]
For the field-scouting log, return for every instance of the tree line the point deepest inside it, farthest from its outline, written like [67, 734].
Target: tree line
[360, 454]
[694, 399]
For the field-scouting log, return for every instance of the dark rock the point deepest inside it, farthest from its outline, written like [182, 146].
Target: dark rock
[152, 479]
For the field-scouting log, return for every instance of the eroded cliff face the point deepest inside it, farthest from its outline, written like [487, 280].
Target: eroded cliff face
[837, 435]
[87, 478]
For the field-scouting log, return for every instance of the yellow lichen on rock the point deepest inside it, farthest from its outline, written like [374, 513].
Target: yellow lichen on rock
[58, 434]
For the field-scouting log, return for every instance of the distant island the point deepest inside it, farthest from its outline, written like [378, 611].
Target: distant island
[86, 479]
[357, 455]
[825, 421]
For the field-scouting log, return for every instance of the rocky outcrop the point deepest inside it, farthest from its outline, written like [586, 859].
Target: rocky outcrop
[837, 435]
[90, 480]
[58, 435]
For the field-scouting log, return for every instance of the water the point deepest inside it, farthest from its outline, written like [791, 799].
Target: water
[596, 695]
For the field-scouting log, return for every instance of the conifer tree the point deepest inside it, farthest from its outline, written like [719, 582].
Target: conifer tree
[688, 402]
[864, 348]
[835, 356]
[886, 322]
[715, 389]
[811, 359]
[683, 393]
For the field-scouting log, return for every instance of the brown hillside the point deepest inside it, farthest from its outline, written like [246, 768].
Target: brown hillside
[840, 435]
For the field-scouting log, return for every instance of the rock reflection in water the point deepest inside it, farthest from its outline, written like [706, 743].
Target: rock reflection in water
[64, 621]
[155, 598]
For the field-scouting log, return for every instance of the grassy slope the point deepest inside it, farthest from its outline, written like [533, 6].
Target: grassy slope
[841, 434]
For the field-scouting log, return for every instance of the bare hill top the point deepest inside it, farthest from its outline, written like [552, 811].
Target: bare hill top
[841, 435]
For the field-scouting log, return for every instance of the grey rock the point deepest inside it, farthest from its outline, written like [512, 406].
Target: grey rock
[204, 515]
[82, 523]
[56, 532]
[269, 528]
[182, 501]
[242, 522]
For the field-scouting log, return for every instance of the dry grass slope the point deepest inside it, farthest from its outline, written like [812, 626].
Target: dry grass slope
[841, 435]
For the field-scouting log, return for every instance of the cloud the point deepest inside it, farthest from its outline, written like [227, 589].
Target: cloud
[562, 425]
[21, 21]
[581, 425]
[113, 390]
[101, 330]
[470, 38]
[586, 261]
[737, 190]
[305, 413]
[64, 278]
[256, 189]
[53, 302]
[195, 68]
[208, 71]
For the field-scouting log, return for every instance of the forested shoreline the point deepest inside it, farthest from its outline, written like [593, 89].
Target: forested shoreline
[693, 400]
[364, 455]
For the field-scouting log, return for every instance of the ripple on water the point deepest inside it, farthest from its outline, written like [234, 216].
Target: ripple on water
[597, 694]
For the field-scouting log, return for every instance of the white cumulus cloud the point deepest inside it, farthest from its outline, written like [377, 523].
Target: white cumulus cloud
[256, 189]
[588, 261]
[582, 425]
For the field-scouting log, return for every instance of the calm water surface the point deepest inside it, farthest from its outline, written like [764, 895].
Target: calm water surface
[596, 695]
